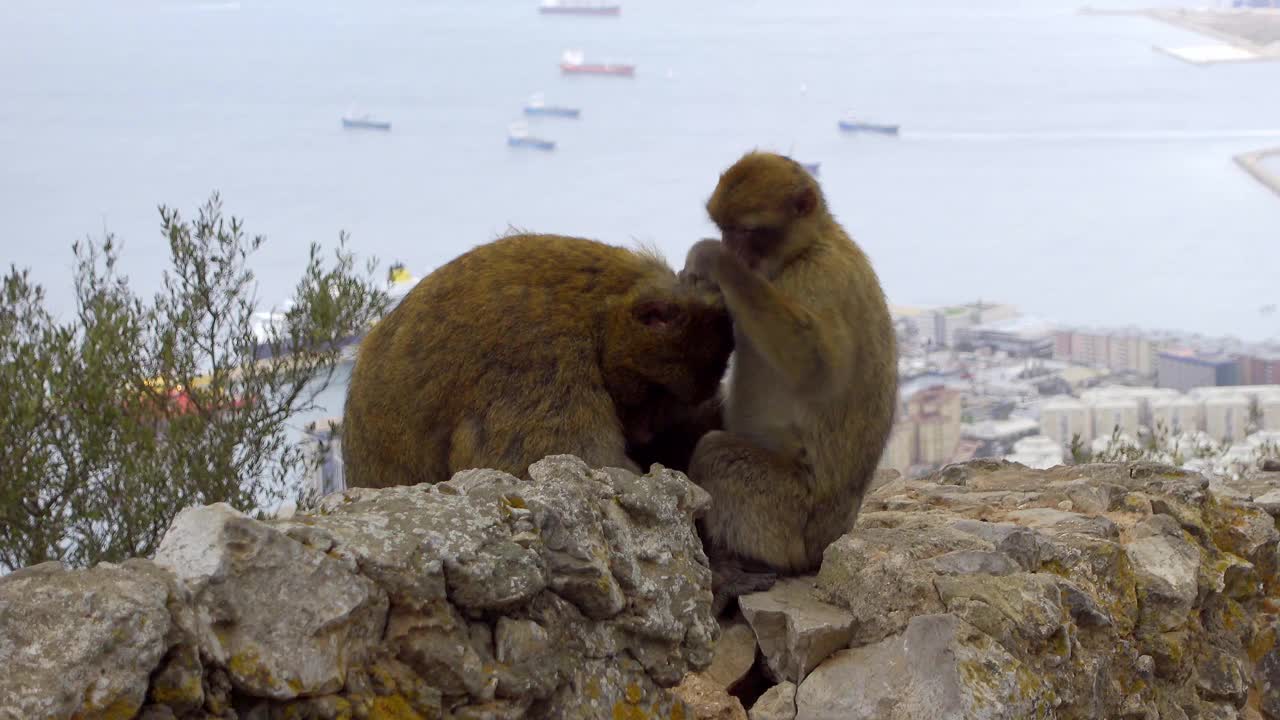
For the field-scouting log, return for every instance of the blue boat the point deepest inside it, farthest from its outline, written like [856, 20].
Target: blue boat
[813, 167]
[531, 142]
[364, 122]
[538, 106]
[848, 124]
[518, 136]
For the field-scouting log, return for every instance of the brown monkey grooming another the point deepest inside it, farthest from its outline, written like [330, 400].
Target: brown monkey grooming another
[812, 389]
[529, 346]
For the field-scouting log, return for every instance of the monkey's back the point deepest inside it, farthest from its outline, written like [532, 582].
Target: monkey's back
[849, 432]
[487, 361]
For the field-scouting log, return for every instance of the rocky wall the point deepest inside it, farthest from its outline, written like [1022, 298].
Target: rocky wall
[984, 591]
[581, 594]
[990, 590]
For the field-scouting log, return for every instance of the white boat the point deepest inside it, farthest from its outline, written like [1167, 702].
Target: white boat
[579, 7]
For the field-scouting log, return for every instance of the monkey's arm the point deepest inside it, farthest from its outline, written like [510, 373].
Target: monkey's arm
[789, 335]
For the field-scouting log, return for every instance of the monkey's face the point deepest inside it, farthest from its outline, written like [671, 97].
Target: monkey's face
[758, 204]
[664, 353]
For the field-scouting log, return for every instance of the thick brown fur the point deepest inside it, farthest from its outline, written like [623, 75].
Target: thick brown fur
[529, 346]
[812, 387]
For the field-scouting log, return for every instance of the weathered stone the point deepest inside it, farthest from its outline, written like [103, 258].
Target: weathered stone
[777, 703]
[79, 643]
[1022, 612]
[1090, 498]
[878, 575]
[1022, 544]
[707, 700]
[1220, 676]
[178, 683]
[1084, 608]
[1268, 673]
[735, 653]
[463, 547]
[615, 688]
[1241, 528]
[1166, 569]
[583, 593]
[1057, 521]
[974, 562]
[259, 611]
[941, 667]
[794, 629]
[1269, 502]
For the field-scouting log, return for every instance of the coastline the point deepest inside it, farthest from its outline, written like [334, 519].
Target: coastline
[1246, 35]
[1252, 163]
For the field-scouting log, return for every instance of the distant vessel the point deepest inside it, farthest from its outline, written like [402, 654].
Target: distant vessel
[848, 124]
[538, 106]
[813, 167]
[572, 62]
[579, 7]
[364, 122]
[518, 136]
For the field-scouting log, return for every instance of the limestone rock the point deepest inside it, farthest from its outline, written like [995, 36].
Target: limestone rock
[987, 590]
[80, 643]
[1166, 569]
[794, 629]
[283, 618]
[1269, 502]
[1221, 677]
[974, 562]
[735, 653]
[877, 574]
[777, 703]
[1057, 521]
[601, 690]
[1022, 612]
[941, 667]
[707, 700]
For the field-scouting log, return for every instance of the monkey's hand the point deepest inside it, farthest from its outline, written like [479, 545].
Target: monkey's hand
[702, 264]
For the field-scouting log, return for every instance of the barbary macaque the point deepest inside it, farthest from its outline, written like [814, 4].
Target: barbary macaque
[813, 382]
[529, 346]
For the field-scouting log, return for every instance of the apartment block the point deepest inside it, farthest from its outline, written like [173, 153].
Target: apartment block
[1065, 417]
[1226, 417]
[1186, 369]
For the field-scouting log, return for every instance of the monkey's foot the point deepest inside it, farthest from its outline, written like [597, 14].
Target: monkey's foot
[729, 581]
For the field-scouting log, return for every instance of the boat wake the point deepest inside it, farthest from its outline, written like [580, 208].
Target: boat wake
[1098, 135]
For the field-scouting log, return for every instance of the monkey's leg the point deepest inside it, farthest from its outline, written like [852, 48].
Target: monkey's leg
[760, 502]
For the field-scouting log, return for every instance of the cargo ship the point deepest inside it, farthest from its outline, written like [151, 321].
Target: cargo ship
[579, 7]
[518, 136]
[537, 105]
[572, 63]
[849, 124]
[364, 122]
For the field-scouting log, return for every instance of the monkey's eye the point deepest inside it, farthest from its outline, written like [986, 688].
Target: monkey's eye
[657, 313]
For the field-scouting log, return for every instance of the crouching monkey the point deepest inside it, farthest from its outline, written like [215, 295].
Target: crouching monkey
[529, 346]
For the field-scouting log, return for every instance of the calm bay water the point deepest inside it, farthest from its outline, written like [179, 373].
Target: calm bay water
[1048, 159]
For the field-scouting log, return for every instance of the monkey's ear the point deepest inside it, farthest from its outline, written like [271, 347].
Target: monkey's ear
[656, 313]
[804, 202]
